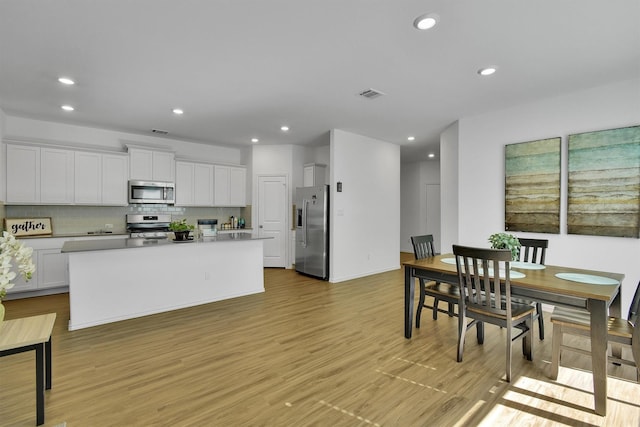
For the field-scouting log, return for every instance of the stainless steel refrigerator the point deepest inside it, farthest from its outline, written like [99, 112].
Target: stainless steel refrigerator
[312, 231]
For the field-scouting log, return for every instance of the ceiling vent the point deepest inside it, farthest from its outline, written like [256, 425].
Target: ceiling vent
[371, 93]
[160, 132]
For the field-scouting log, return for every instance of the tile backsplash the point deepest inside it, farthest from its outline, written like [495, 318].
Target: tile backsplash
[81, 219]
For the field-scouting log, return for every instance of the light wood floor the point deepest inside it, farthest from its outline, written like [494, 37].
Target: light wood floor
[304, 353]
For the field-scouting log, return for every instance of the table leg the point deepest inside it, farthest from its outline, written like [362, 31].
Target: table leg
[40, 380]
[615, 310]
[598, 311]
[409, 295]
[47, 358]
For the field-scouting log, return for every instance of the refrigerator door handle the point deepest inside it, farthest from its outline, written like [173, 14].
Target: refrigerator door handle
[304, 222]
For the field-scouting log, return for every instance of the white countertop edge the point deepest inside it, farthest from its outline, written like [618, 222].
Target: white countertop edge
[133, 243]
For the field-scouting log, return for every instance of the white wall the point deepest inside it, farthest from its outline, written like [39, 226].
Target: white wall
[481, 174]
[449, 192]
[38, 131]
[365, 216]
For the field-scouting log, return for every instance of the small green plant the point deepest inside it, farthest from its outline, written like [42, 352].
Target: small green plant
[506, 241]
[180, 225]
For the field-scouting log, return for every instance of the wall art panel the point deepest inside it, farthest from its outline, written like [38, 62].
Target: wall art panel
[532, 186]
[604, 183]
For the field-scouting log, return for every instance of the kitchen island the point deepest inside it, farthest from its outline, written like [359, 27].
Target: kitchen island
[117, 279]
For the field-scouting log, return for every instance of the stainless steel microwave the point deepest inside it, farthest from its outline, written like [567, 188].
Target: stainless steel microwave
[152, 192]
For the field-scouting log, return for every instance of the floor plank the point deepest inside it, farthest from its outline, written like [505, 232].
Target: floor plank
[305, 352]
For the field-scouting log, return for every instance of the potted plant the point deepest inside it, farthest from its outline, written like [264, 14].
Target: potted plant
[506, 241]
[10, 248]
[181, 229]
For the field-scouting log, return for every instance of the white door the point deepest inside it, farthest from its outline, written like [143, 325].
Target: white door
[272, 219]
[433, 215]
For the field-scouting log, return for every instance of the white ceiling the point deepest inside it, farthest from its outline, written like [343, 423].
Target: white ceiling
[241, 69]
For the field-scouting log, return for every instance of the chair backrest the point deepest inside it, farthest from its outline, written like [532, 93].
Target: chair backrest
[423, 246]
[476, 268]
[634, 307]
[533, 250]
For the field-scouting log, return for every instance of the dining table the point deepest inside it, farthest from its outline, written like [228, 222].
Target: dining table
[595, 291]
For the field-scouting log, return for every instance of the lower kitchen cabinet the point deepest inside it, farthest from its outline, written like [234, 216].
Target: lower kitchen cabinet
[21, 285]
[51, 271]
[53, 268]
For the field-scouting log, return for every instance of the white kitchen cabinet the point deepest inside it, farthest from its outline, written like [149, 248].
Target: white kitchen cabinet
[39, 175]
[101, 178]
[313, 174]
[52, 266]
[21, 285]
[184, 183]
[23, 174]
[56, 176]
[194, 184]
[203, 184]
[237, 186]
[229, 186]
[115, 175]
[88, 178]
[151, 165]
[53, 269]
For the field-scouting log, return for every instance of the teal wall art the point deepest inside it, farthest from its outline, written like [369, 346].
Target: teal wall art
[532, 186]
[604, 183]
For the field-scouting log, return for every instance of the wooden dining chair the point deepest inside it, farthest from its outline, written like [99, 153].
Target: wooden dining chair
[534, 251]
[577, 322]
[423, 248]
[486, 300]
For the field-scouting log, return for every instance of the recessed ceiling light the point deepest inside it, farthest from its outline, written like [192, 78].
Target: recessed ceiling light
[66, 81]
[487, 71]
[426, 21]
[411, 138]
[284, 128]
[254, 140]
[431, 155]
[67, 108]
[177, 111]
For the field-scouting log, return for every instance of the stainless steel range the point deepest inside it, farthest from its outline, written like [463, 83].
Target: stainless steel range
[150, 226]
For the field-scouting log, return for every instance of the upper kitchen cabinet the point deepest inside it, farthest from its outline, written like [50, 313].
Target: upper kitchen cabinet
[23, 174]
[101, 178]
[194, 184]
[313, 174]
[56, 176]
[229, 187]
[115, 174]
[39, 175]
[151, 165]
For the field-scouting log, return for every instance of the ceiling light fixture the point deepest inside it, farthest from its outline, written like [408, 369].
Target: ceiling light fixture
[426, 21]
[66, 81]
[67, 108]
[487, 71]
[431, 155]
[284, 128]
[177, 111]
[411, 138]
[254, 140]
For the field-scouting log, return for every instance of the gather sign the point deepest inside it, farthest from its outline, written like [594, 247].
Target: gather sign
[28, 226]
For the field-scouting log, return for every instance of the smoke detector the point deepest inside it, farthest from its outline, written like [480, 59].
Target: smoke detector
[371, 93]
